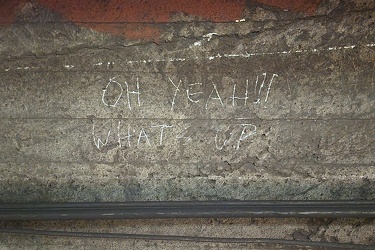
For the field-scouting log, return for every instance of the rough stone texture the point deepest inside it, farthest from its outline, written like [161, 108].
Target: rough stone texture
[305, 131]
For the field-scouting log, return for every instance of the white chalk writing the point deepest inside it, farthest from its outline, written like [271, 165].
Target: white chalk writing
[98, 141]
[215, 99]
[181, 136]
[190, 95]
[121, 137]
[105, 92]
[269, 86]
[231, 135]
[118, 93]
[215, 95]
[245, 135]
[162, 127]
[175, 93]
[216, 140]
[143, 134]
[234, 97]
[110, 92]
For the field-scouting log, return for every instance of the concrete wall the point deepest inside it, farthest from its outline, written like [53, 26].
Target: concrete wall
[211, 100]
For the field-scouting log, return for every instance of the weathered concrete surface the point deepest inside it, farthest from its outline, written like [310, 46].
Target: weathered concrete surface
[260, 104]
[341, 230]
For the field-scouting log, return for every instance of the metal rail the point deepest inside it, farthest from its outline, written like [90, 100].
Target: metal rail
[187, 209]
[262, 241]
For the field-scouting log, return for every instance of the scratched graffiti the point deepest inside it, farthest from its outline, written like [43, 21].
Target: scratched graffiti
[122, 94]
[126, 135]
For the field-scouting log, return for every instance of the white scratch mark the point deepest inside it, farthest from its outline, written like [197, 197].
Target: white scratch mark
[128, 136]
[177, 60]
[248, 55]
[189, 95]
[181, 136]
[69, 66]
[216, 56]
[261, 86]
[269, 87]
[240, 20]
[199, 43]
[143, 134]
[175, 93]
[209, 35]
[128, 92]
[20, 68]
[19, 39]
[111, 80]
[233, 97]
[243, 136]
[224, 143]
[214, 98]
[162, 127]
[110, 64]
[98, 142]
